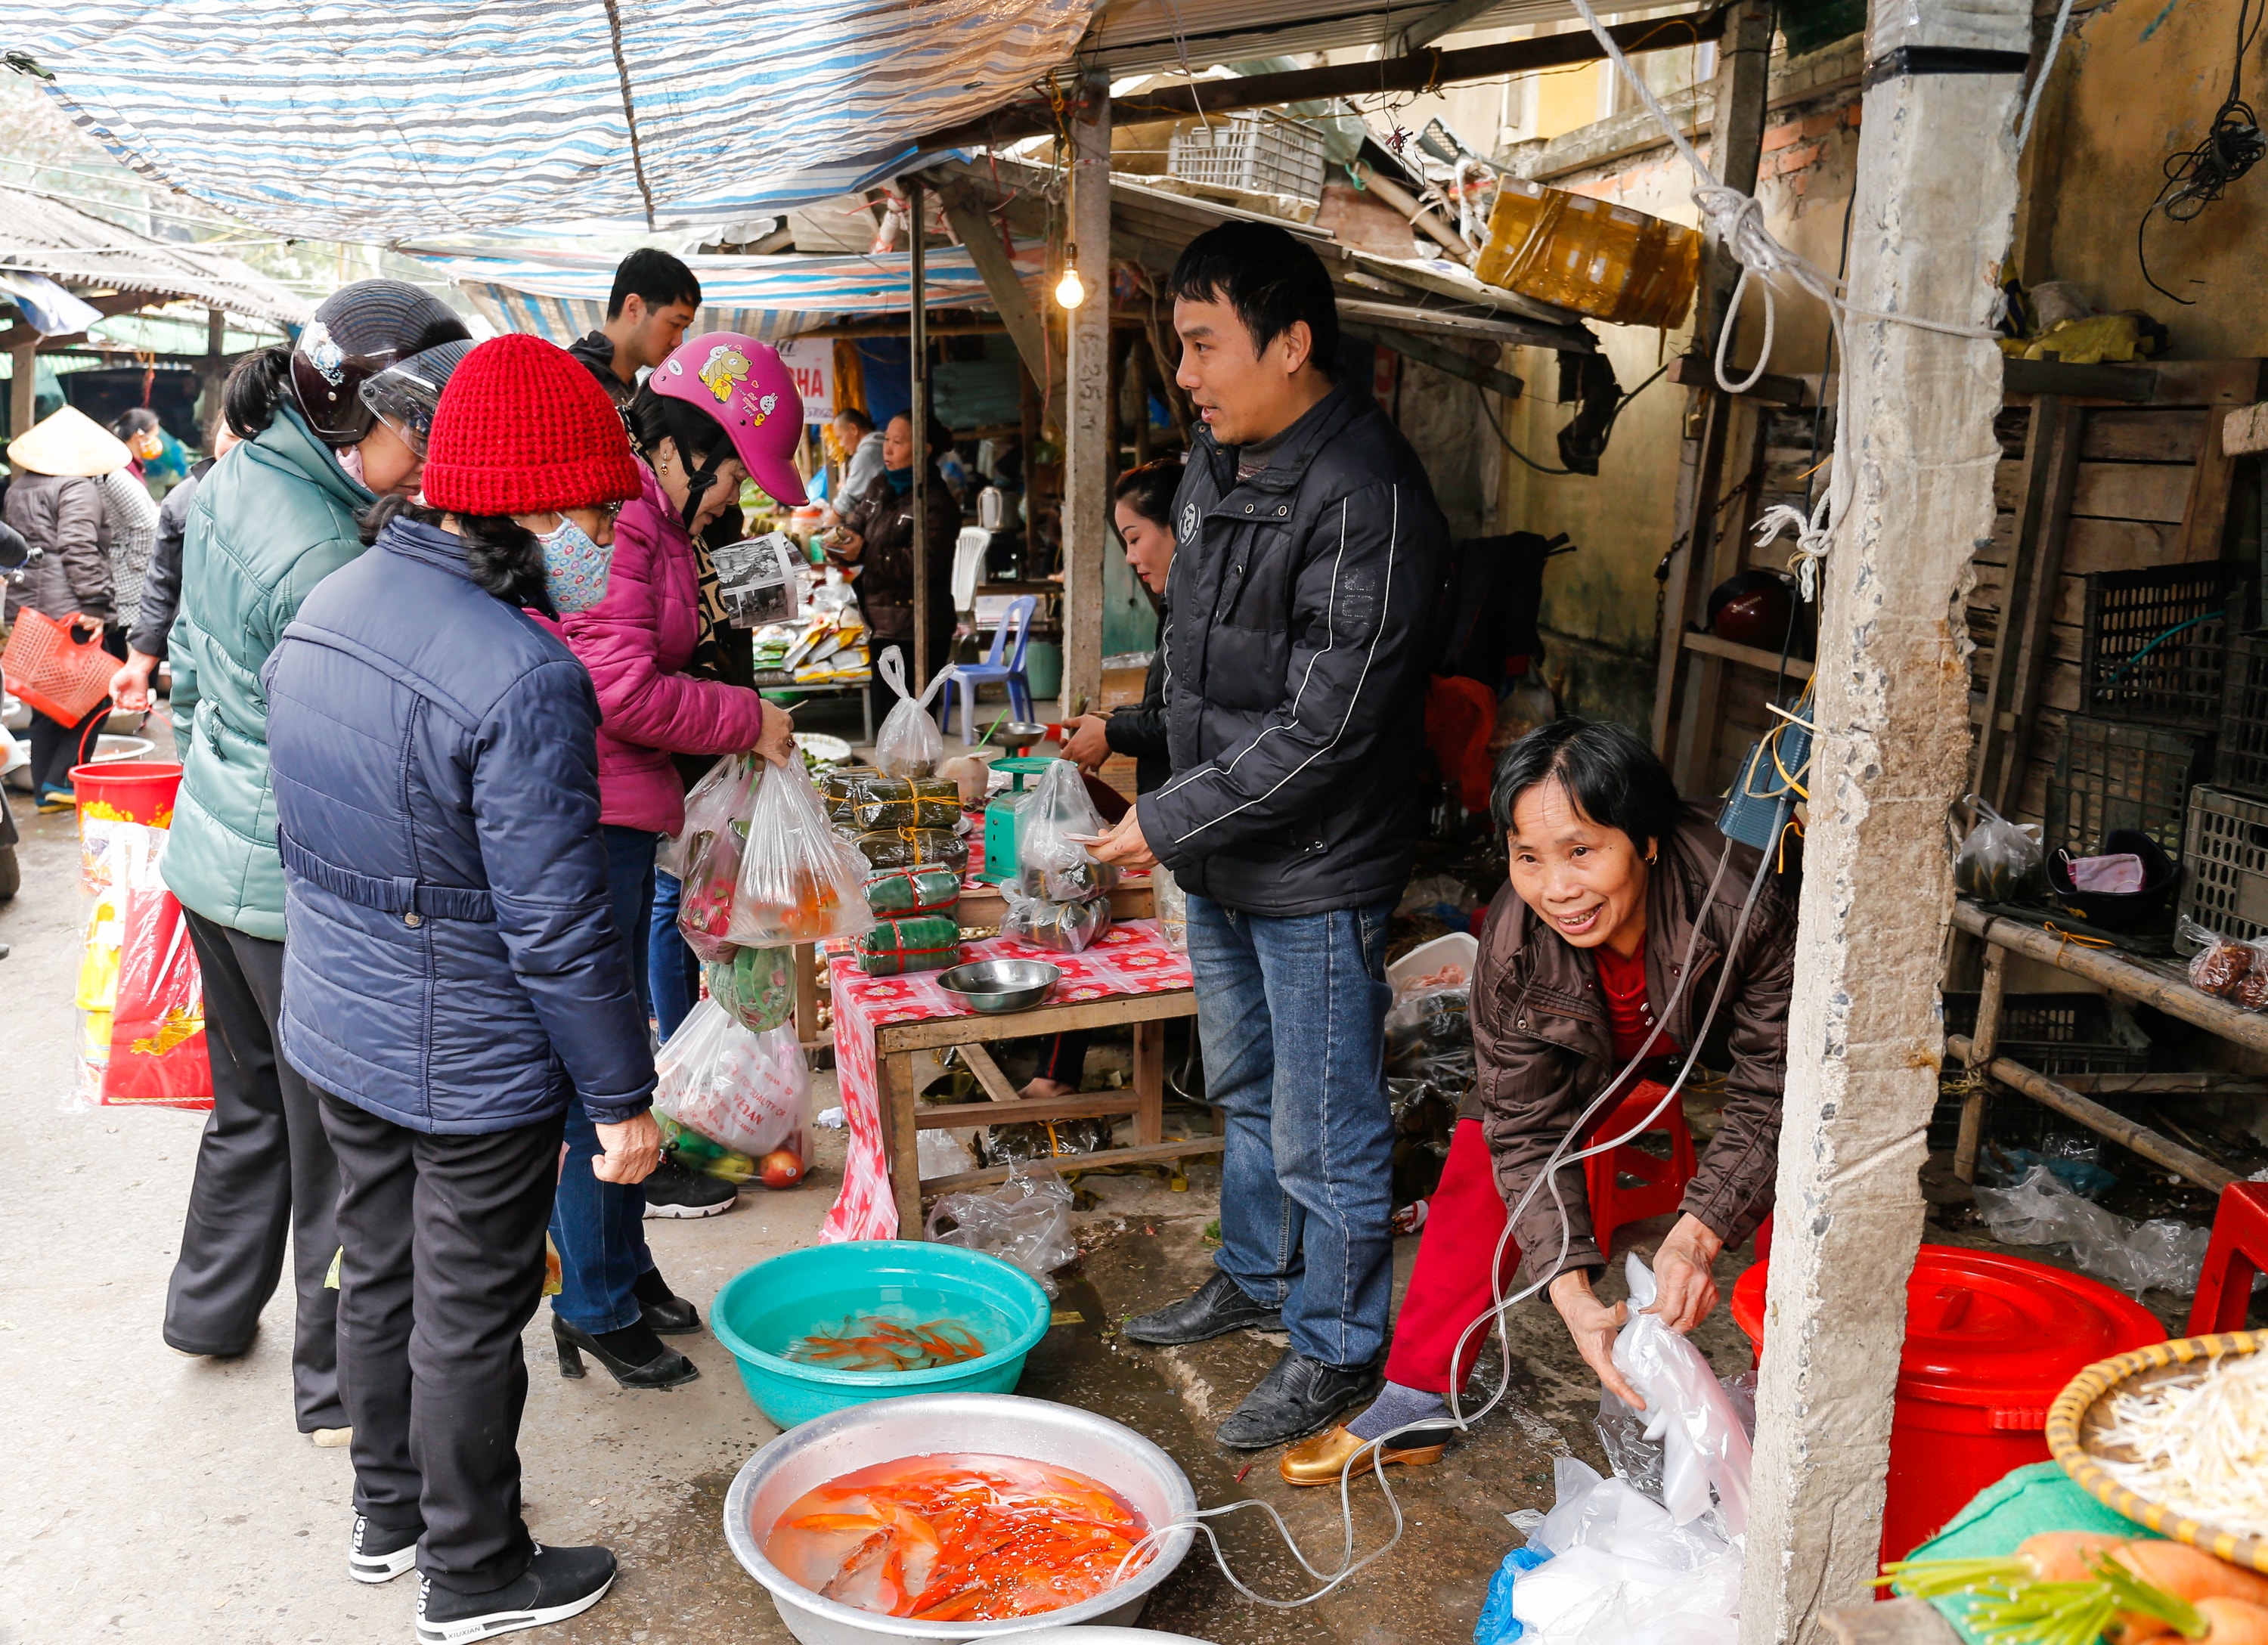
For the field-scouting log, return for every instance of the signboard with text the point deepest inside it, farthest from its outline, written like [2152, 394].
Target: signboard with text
[812, 362]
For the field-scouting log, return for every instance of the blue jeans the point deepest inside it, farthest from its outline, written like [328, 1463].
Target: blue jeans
[1291, 1014]
[600, 1228]
[673, 971]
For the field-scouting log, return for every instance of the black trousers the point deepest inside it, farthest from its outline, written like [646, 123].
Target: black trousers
[55, 747]
[264, 1171]
[443, 1270]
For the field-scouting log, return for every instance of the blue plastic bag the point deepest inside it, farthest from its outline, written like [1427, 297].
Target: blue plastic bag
[1497, 1625]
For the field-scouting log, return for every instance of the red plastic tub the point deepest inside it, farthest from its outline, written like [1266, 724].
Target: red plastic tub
[127, 791]
[1990, 1341]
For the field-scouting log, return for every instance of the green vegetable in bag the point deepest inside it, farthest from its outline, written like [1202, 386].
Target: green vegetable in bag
[697, 1153]
[900, 891]
[926, 942]
[756, 985]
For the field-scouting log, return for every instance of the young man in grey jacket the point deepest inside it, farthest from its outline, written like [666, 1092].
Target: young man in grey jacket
[1308, 555]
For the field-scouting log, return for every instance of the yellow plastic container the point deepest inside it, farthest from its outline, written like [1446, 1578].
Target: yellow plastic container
[1599, 259]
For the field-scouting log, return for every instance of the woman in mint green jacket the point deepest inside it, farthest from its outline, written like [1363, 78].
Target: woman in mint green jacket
[266, 527]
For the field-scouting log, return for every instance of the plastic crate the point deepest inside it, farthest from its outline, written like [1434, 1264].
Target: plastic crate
[2114, 774]
[2240, 763]
[2225, 863]
[1254, 150]
[2051, 1034]
[2155, 641]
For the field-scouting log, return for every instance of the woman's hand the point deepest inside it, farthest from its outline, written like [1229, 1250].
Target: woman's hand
[1593, 1324]
[845, 544]
[633, 1149]
[1685, 1290]
[777, 741]
[1086, 745]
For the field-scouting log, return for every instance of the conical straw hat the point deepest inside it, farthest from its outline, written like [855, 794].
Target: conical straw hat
[69, 442]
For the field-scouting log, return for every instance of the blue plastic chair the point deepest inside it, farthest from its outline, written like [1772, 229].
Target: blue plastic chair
[966, 676]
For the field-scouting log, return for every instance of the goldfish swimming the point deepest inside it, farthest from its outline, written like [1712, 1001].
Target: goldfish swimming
[957, 1538]
[871, 1343]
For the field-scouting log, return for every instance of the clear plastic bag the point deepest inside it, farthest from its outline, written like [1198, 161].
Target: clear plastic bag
[720, 797]
[1051, 863]
[911, 744]
[711, 856]
[1025, 1220]
[2042, 1209]
[1705, 1448]
[743, 1089]
[799, 881]
[1060, 927]
[756, 985]
[2222, 966]
[1617, 1568]
[2000, 861]
[1173, 905]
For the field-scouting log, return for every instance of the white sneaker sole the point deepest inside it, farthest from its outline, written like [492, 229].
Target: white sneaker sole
[489, 1627]
[717, 1210]
[374, 1568]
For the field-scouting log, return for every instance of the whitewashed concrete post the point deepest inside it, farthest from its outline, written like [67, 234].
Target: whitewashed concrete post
[1088, 460]
[1935, 202]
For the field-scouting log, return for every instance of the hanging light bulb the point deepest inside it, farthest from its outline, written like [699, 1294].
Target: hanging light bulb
[1070, 290]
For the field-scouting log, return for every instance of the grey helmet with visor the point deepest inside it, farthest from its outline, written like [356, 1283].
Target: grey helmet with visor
[408, 392]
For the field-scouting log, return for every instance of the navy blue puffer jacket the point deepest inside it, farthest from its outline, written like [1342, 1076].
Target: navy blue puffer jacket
[450, 960]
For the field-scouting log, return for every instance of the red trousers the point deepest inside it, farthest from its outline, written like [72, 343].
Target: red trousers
[1450, 1287]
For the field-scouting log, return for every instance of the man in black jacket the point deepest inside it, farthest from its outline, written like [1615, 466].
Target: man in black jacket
[1309, 552]
[655, 298]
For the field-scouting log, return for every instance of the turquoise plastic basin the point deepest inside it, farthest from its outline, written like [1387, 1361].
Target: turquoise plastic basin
[763, 1309]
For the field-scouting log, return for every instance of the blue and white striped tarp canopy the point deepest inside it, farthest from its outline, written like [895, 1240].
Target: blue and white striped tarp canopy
[324, 119]
[765, 298]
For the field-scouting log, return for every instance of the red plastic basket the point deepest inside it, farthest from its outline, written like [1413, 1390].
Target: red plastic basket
[53, 669]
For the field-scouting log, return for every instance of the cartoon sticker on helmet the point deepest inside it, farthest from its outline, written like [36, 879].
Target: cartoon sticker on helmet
[726, 369]
[323, 353]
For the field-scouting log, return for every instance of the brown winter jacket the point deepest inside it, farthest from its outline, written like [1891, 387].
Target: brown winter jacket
[63, 515]
[1544, 1047]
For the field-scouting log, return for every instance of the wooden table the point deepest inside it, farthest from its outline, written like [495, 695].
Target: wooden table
[2162, 985]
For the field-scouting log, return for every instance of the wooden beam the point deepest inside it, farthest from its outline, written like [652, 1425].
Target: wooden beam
[1155, 1154]
[2078, 382]
[1749, 656]
[1416, 71]
[2051, 444]
[2102, 1121]
[23, 385]
[1088, 459]
[1441, 356]
[1026, 1109]
[980, 237]
[988, 1072]
[108, 305]
[1694, 371]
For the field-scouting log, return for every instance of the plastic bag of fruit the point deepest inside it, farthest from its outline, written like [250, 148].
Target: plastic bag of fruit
[798, 880]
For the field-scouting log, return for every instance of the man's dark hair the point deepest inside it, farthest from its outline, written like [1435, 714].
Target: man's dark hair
[855, 417]
[1151, 489]
[1607, 770]
[1270, 278]
[656, 276]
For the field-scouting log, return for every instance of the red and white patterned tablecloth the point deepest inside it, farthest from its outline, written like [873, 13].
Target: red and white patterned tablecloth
[1130, 959]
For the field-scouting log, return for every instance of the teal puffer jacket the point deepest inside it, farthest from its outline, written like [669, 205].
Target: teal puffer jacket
[266, 527]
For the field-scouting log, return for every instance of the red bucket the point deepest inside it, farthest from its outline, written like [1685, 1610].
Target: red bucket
[126, 791]
[1990, 1341]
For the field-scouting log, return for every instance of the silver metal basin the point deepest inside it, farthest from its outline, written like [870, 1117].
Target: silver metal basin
[828, 1447]
[997, 986]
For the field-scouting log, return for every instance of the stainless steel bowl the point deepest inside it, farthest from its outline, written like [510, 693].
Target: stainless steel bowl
[997, 987]
[828, 1447]
[1015, 733]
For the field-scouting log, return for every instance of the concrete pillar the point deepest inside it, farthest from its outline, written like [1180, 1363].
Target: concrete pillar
[23, 386]
[1087, 456]
[1935, 201]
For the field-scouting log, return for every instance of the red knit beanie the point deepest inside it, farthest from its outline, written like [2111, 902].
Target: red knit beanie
[523, 429]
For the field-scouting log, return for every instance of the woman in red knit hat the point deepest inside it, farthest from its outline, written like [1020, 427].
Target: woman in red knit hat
[456, 980]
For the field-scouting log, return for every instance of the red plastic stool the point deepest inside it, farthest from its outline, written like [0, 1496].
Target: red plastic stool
[2238, 1250]
[1660, 1184]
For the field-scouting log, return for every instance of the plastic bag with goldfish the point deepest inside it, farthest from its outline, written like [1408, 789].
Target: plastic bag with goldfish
[799, 881]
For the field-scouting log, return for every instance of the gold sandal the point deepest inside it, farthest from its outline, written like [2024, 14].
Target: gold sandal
[1322, 1459]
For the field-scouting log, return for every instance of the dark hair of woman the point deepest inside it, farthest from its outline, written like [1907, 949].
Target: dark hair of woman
[255, 388]
[699, 438]
[1150, 489]
[1605, 769]
[135, 420]
[504, 556]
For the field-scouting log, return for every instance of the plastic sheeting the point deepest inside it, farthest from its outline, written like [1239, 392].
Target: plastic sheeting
[321, 119]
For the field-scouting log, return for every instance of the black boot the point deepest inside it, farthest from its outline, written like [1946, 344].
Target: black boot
[1220, 1307]
[634, 1354]
[665, 1313]
[1298, 1397]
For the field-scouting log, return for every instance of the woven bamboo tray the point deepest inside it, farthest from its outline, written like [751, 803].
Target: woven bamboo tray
[2080, 1415]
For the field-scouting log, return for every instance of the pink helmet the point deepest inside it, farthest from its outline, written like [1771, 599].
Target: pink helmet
[747, 389]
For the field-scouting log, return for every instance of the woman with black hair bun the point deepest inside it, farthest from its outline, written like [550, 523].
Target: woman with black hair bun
[1580, 955]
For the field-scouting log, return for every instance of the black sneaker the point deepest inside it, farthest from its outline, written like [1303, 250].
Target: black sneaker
[375, 1555]
[558, 1583]
[674, 1191]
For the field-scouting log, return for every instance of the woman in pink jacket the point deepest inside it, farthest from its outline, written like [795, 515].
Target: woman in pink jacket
[720, 408]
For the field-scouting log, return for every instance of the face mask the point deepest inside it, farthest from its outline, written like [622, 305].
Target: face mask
[350, 458]
[901, 480]
[574, 567]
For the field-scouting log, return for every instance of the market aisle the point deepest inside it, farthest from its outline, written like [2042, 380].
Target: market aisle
[147, 1496]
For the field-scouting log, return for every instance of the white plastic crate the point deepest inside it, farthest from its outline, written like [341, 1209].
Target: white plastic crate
[1254, 150]
[2224, 863]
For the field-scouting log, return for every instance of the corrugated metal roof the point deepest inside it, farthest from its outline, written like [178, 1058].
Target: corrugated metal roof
[80, 250]
[322, 119]
[1131, 35]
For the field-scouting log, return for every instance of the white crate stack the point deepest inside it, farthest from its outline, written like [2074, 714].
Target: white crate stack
[1256, 151]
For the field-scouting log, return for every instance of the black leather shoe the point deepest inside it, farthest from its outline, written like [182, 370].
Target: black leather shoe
[633, 1355]
[665, 1313]
[1298, 1397]
[1220, 1307]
